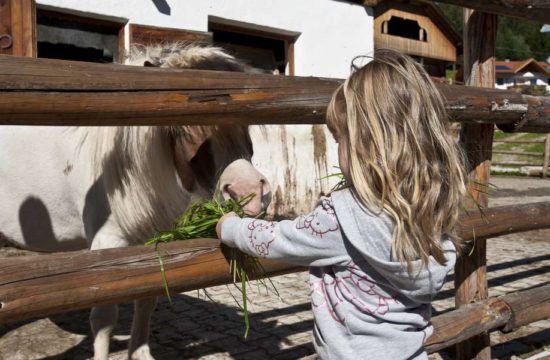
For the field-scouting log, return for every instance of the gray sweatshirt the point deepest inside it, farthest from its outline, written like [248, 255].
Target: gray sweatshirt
[365, 305]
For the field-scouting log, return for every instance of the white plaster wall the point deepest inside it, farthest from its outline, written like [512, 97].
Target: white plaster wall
[332, 33]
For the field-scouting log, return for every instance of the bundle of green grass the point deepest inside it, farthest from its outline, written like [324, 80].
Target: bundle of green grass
[199, 221]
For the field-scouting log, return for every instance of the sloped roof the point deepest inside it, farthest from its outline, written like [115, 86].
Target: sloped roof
[545, 65]
[513, 67]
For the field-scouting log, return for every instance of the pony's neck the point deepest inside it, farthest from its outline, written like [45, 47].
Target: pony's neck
[140, 179]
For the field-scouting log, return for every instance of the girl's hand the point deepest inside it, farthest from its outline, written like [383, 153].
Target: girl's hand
[220, 222]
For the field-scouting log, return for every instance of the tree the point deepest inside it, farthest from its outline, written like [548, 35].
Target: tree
[517, 39]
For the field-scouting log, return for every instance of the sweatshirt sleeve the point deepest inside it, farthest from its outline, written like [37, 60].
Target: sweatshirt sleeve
[314, 239]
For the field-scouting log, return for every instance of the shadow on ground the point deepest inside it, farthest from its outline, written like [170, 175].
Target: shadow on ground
[193, 328]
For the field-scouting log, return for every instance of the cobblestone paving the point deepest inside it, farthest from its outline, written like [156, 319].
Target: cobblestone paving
[210, 326]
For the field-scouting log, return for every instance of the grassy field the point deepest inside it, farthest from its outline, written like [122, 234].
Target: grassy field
[516, 170]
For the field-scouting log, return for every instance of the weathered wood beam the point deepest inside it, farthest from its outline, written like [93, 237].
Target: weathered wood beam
[57, 283]
[528, 307]
[503, 220]
[537, 10]
[68, 281]
[471, 271]
[56, 92]
[371, 3]
[507, 312]
[18, 27]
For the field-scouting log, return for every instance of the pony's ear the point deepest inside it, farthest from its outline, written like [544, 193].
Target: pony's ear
[183, 150]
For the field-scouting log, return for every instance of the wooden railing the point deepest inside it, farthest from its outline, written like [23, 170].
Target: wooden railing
[70, 93]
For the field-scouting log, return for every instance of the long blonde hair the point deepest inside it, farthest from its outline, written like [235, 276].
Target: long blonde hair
[403, 159]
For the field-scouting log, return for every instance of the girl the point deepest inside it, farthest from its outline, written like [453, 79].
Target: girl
[379, 250]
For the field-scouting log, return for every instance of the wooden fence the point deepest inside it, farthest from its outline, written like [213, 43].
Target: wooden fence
[545, 154]
[77, 280]
[50, 92]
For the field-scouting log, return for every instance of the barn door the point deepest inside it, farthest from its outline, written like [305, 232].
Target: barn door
[18, 27]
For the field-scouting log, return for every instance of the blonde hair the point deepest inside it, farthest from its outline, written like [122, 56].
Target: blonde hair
[403, 159]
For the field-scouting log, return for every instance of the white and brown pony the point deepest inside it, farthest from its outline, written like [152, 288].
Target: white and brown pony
[104, 187]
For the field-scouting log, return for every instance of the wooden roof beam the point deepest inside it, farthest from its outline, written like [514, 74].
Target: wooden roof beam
[536, 10]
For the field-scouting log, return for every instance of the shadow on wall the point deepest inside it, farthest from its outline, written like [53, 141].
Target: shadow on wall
[162, 6]
[37, 229]
[36, 225]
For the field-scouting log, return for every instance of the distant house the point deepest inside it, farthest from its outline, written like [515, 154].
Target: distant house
[419, 29]
[523, 73]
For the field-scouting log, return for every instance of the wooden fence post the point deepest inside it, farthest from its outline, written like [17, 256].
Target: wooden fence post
[546, 156]
[470, 270]
[18, 27]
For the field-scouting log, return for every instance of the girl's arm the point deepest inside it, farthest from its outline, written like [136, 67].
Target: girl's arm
[314, 239]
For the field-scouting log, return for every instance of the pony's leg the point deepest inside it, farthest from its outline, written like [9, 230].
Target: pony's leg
[139, 346]
[103, 319]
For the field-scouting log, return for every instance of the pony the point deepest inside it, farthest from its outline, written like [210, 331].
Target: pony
[68, 188]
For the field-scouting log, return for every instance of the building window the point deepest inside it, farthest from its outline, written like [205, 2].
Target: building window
[261, 48]
[409, 29]
[500, 81]
[73, 37]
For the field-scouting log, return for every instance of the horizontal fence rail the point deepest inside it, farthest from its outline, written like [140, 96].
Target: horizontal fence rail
[520, 141]
[516, 163]
[56, 283]
[57, 92]
[519, 153]
[508, 312]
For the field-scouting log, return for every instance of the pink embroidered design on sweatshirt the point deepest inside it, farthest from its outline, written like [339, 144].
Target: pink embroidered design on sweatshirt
[319, 296]
[348, 288]
[262, 234]
[313, 223]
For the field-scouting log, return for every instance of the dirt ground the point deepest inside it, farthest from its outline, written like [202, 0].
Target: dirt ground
[211, 327]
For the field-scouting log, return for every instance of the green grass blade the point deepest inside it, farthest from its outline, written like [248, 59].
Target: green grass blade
[163, 273]
[245, 302]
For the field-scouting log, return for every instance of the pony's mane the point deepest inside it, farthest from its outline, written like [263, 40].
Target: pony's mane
[187, 55]
[135, 163]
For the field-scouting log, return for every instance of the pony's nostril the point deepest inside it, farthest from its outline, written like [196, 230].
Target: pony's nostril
[266, 200]
[226, 191]
[265, 186]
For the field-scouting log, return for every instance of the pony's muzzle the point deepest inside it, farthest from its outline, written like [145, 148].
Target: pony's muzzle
[239, 190]
[240, 179]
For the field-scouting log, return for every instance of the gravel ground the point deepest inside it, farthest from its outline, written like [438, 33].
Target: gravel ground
[211, 327]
